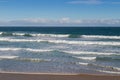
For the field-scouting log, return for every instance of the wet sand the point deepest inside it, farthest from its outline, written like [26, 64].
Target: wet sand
[48, 76]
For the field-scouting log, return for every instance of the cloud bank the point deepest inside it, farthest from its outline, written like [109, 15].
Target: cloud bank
[61, 22]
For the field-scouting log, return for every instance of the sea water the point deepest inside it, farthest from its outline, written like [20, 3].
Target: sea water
[60, 49]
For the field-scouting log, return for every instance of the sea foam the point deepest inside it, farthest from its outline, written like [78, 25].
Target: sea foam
[100, 36]
[84, 64]
[8, 57]
[110, 72]
[86, 58]
[111, 43]
[92, 53]
[25, 49]
[32, 34]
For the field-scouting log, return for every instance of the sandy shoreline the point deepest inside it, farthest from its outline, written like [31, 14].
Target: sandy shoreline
[54, 76]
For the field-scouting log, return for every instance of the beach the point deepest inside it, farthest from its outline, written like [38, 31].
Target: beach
[59, 39]
[57, 76]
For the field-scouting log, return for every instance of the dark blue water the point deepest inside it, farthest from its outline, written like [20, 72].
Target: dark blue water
[68, 30]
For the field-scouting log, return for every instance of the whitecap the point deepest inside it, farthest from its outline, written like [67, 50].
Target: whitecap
[9, 49]
[51, 35]
[86, 58]
[8, 57]
[38, 50]
[112, 43]
[33, 59]
[25, 49]
[86, 52]
[110, 72]
[101, 36]
[84, 64]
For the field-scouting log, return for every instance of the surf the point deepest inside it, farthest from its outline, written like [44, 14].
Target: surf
[25, 49]
[33, 34]
[87, 52]
[100, 37]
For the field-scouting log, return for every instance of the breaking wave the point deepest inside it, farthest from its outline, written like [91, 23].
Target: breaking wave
[8, 57]
[25, 49]
[37, 50]
[86, 58]
[32, 35]
[51, 35]
[9, 49]
[106, 69]
[109, 72]
[100, 36]
[84, 64]
[33, 59]
[92, 53]
[57, 35]
[111, 43]
[99, 58]
[24, 59]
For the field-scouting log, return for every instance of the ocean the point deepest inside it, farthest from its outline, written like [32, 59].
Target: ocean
[60, 49]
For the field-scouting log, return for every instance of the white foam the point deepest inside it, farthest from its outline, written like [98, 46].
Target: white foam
[48, 50]
[1, 33]
[110, 72]
[9, 49]
[8, 57]
[112, 43]
[51, 35]
[101, 36]
[84, 64]
[38, 34]
[85, 42]
[33, 59]
[25, 49]
[85, 52]
[86, 58]
[117, 68]
[19, 40]
[37, 50]
[18, 34]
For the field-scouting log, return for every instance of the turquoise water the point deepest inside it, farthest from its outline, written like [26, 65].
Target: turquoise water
[60, 49]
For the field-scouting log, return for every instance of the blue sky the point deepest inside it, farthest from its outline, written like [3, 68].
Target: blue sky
[60, 12]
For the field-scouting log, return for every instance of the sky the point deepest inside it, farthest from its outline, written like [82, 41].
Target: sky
[59, 12]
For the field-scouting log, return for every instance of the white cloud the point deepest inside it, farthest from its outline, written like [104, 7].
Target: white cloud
[64, 20]
[61, 22]
[68, 21]
[39, 20]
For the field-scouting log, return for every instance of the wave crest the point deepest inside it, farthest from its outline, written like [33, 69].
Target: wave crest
[100, 36]
[63, 41]
[33, 59]
[92, 53]
[8, 57]
[25, 49]
[86, 58]
[32, 35]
